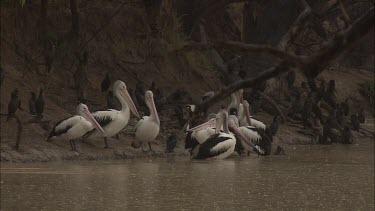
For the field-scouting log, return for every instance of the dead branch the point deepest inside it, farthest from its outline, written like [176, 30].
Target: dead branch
[240, 46]
[210, 7]
[345, 13]
[316, 63]
[274, 105]
[312, 65]
[296, 27]
[19, 129]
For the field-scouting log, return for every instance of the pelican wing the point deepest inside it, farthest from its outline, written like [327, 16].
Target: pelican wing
[105, 117]
[64, 125]
[144, 118]
[212, 147]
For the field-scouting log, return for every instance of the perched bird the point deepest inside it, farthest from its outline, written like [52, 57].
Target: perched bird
[39, 104]
[147, 128]
[345, 107]
[14, 104]
[221, 144]
[279, 151]
[75, 127]
[139, 93]
[361, 116]
[113, 121]
[246, 120]
[291, 78]
[153, 87]
[106, 83]
[330, 96]
[171, 143]
[110, 100]
[347, 136]
[272, 129]
[32, 101]
[355, 122]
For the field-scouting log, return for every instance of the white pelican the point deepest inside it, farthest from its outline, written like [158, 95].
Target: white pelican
[221, 144]
[246, 120]
[147, 128]
[198, 135]
[75, 127]
[113, 121]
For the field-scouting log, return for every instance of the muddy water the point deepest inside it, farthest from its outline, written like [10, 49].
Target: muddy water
[335, 177]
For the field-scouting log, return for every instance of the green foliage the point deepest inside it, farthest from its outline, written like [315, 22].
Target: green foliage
[171, 30]
[370, 86]
[22, 2]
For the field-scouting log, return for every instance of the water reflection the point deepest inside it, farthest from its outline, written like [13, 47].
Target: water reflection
[310, 177]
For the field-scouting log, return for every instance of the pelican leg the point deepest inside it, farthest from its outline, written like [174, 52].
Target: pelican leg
[71, 144]
[143, 150]
[149, 145]
[74, 145]
[105, 143]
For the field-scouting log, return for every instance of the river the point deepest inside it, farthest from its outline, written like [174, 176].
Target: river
[309, 177]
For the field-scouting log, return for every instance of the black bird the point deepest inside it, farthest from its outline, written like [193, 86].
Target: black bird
[347, 136]
[355, 122]
[132, 95]
[361, 116]
[140, 93]
[32, 103]
[171, 143]
[330, 96]
[14, 104]
[279, 151]
[345, 107]
[106, 83]
[153, 87]
[291, 78]
[110, 100]
[340, 116]
[272, 129]
[39, 104]
[332, 129]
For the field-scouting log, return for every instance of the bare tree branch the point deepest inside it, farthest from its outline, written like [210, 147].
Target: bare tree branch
[345, 13]
[316, 63]
[295, 28]
[240, 46]
[209, 8]
[274, 105]
[312, 66]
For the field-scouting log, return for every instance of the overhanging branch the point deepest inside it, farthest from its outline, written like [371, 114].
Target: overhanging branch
[312, 65]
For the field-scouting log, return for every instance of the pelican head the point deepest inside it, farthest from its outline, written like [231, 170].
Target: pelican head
[119, 89]
[83, 111]
[234, 127]
[149, 98]
[247, 111]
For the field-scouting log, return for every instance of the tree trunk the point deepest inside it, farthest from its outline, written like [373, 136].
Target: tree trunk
[43, 22]
[75, 16]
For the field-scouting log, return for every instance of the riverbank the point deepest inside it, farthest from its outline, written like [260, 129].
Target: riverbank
[34, 148]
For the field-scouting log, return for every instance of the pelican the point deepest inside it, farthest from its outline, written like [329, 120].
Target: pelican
[246, 120]
[198, 135]
[113, 121]
[75, 127]
[221, 144]
[147, 128]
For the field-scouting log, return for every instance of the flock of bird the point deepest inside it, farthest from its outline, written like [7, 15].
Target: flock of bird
[108, 123]
[231, 129]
